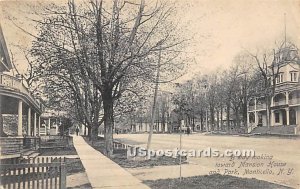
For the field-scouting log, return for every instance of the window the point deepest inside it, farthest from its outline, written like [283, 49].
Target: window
[279, 78]
[277, 117]
[294, 77]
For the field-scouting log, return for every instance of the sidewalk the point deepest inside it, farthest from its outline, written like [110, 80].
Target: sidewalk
[103, 172]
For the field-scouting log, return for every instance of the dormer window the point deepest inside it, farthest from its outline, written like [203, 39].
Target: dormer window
[294, 76]
[279, 78]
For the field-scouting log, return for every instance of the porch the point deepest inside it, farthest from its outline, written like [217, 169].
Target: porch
[19, 118]
[13, 147]
[283, 120]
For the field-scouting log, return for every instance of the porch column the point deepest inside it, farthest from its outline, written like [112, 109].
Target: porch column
[29, 122]
[287, 116]
[256, 118]
[248, 119]
[20, 118]
[39, 125]
[34, 124]
[56, 126]
[287, 97]
[255, 103]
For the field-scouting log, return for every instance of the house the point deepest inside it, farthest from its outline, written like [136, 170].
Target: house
[51, 120]
[285, 104]
[144, 126]
[20, 110]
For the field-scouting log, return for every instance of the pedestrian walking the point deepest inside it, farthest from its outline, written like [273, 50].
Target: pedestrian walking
[77, 131]
[188, 131]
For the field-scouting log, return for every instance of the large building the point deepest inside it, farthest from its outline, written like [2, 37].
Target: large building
[19, 111]
[285, 104]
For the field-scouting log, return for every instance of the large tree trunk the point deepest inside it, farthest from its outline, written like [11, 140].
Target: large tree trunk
[163, 121]
[201, 120]
[222, 117]
[218, 120]
[94, 133]
[228, 116]
[193, 121]
[90, 133]
[268, 103]
[237, 117]
[108, 122]
[212, 117]
[245, 111]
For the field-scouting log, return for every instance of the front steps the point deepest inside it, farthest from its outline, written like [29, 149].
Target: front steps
[30, 154]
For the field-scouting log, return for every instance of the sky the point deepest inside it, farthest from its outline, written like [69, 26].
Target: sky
[218, 29]
[235, 25]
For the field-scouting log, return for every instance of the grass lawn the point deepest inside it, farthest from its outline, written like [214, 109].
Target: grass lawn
[216, 181]
[83, 186]
[57, 151]
[212, 182]
[74, 167]
[120, 157]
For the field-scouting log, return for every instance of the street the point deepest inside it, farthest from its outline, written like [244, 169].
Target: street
[279, 161]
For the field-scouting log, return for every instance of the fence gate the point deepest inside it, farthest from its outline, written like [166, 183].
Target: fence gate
[45, 173]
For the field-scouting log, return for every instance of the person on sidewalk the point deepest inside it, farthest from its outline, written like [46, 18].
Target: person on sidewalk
[77, 131]
[188, 131]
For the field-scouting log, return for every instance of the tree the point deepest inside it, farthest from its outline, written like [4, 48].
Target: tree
[98, 52]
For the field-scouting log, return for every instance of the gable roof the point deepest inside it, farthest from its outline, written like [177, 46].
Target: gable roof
[5, 63]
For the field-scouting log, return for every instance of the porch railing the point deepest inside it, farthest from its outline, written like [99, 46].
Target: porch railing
[16, 84]
[261, 106]
[279, 103]
[250, 108]
[31, 143]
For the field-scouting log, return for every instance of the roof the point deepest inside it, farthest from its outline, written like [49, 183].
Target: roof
[287, 55]
[5, 63]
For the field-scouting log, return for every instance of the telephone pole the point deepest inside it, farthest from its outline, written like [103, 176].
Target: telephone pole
[154, 101]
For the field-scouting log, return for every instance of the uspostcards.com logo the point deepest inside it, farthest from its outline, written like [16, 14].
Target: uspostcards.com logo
[208, 152]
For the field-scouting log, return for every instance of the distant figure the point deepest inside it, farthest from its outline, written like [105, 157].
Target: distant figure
[188, 131]
[77, 131]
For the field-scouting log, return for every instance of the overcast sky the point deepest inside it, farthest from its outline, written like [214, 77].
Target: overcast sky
[219, 29]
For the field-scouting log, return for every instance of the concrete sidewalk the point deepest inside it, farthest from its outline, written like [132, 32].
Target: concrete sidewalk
[103, 172]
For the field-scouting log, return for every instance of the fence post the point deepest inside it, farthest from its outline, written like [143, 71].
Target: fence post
[62, 180]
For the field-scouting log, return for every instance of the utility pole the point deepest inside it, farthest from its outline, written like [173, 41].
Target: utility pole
[180, 146]
[154, 101]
